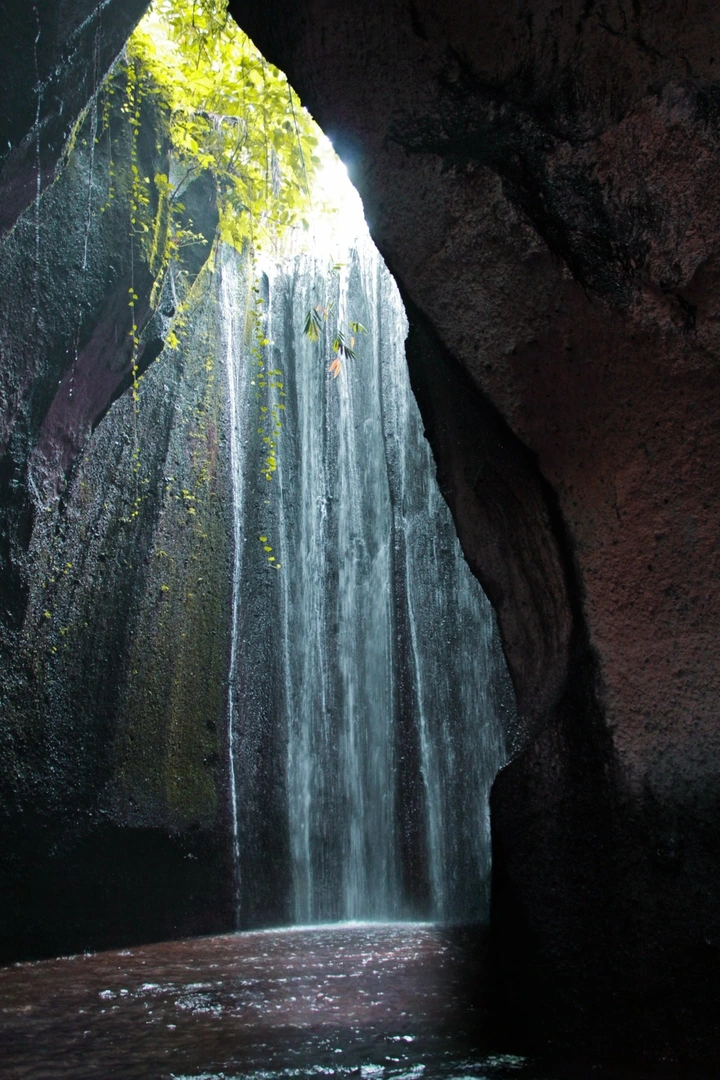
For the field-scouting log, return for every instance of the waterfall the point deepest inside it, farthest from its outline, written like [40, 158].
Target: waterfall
[364, 721]
[237, 379]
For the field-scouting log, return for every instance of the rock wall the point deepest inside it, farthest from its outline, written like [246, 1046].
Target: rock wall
[116, 549]
[540, 178]
[54, 55]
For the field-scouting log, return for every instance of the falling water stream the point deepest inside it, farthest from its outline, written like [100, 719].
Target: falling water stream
[367, 679]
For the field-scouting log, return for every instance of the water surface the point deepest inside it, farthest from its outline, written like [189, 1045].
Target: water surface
[395, 1002]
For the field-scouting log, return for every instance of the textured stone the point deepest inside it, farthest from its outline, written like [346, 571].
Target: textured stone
[541, 179]
[115, 613]
[54, 56]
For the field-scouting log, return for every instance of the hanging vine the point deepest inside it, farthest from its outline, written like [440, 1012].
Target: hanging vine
[232, 112]
[226, 110]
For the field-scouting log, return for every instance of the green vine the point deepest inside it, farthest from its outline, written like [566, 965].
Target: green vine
[269, 386]
[226, 110]
[229, 111]
[269, 390]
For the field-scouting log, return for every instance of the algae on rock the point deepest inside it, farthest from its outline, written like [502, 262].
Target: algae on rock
[113, 787]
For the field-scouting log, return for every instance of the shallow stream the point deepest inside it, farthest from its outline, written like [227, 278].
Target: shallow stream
[392, 1001]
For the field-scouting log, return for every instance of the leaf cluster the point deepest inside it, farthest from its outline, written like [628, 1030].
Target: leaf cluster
[232, 112]
[343, 342]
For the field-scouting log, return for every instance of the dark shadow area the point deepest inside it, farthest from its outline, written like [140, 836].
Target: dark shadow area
[66, 894]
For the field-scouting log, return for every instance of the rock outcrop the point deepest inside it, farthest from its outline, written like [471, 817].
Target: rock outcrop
[116, 553]
[540, 178]
[54, 57]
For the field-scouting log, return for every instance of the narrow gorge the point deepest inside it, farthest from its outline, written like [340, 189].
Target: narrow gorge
[250, 676]
[285, 639]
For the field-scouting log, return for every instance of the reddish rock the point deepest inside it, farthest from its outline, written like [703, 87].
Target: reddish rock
[541, 178]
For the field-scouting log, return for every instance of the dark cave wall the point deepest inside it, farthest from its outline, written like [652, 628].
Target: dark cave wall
[541, 179]
[54, 55]
[116, 559]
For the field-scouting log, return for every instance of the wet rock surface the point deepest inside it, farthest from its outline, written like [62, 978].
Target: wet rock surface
[538, 179]
[114, 548]
[55, 57]
[541, 179]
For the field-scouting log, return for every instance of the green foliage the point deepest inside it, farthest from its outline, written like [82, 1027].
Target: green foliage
[232, 112]
[228, 111]
[341, 347]
[313, 323]
[343, 342]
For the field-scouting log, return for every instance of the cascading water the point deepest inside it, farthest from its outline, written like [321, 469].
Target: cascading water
[237, 377]
[366, 675]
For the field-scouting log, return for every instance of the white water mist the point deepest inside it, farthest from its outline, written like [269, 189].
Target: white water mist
[363, 708]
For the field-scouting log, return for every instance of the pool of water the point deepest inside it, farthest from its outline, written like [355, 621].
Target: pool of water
[392, 1002]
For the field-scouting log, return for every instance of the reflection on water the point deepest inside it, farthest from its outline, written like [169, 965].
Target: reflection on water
[371, 1000]
[394, 1002]
[496, 1067]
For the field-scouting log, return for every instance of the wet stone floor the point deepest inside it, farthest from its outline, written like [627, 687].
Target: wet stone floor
[390, 1002]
